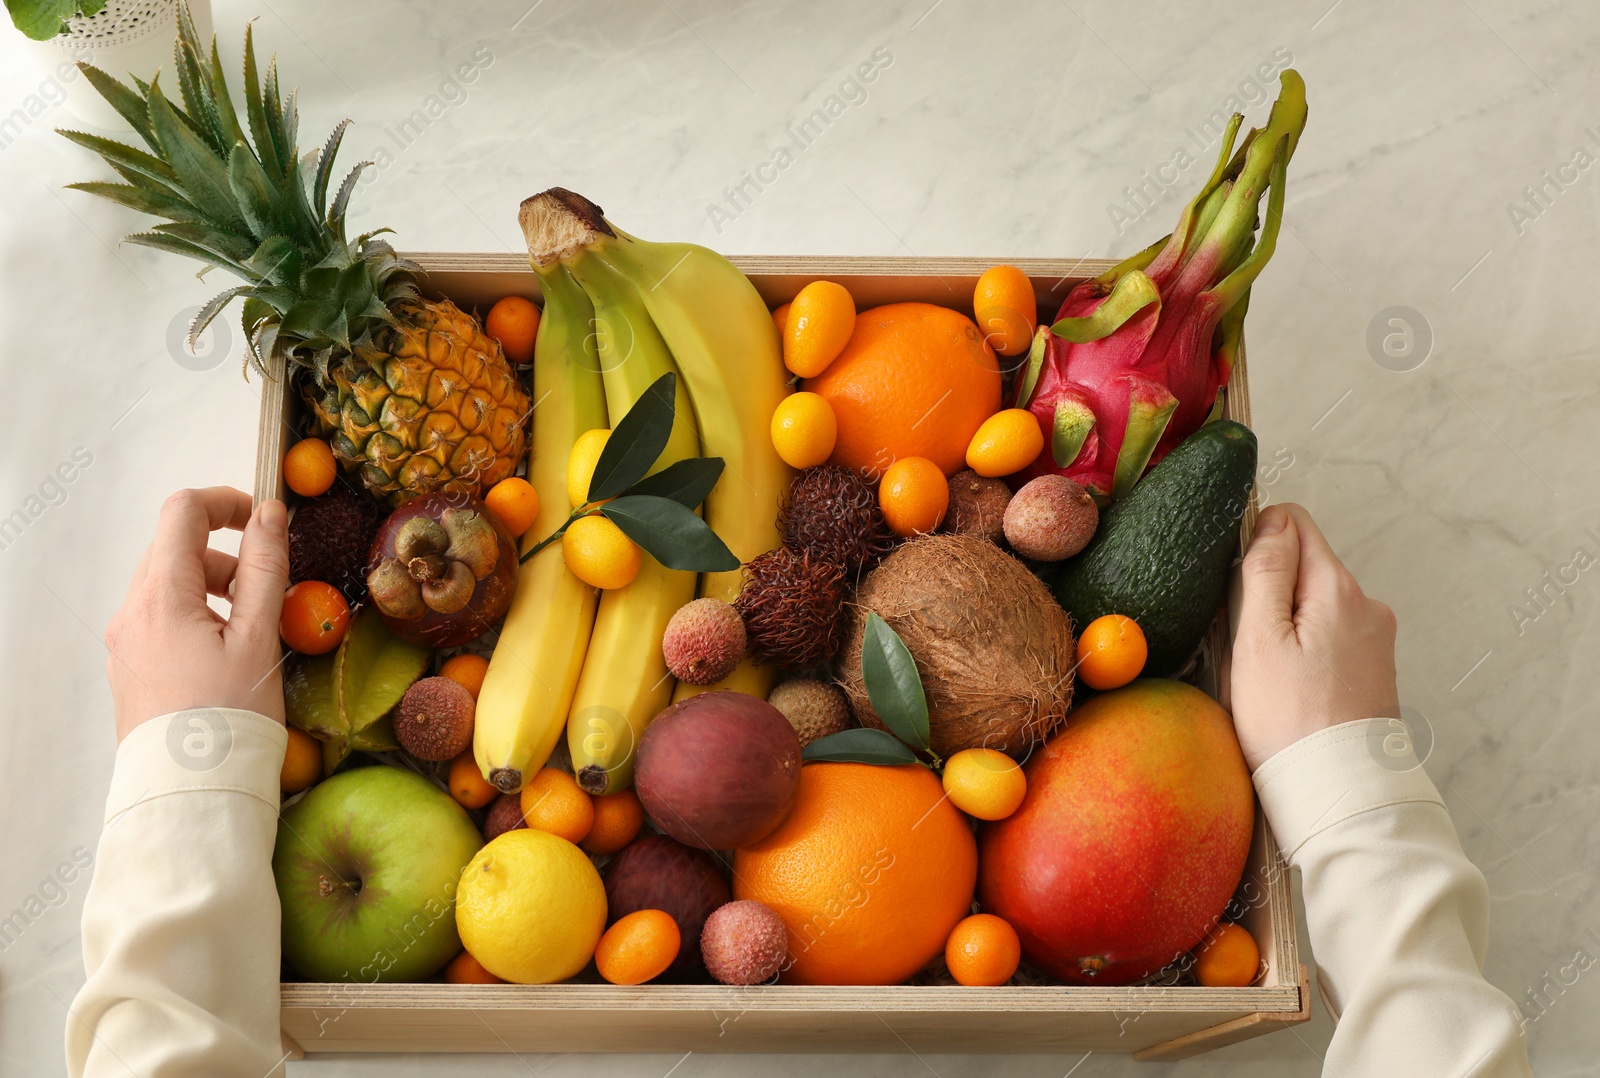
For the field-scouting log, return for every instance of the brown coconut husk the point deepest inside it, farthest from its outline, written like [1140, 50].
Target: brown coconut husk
[994, 649]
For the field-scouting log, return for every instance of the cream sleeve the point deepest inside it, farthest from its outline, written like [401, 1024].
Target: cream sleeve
[180, 925]
[1399, 918]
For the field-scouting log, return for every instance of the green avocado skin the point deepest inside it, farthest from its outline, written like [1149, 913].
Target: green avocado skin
[1161, 555]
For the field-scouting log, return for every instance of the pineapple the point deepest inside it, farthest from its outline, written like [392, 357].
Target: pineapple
[410, 392]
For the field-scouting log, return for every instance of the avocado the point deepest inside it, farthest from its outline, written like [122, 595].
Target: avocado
[1161, 555]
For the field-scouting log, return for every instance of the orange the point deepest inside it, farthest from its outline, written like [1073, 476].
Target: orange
[780, 318]
[552, 801]
[803, 430]
[1007, 442]
[466, 670]
[1006, 309]
[514, 322]
[467, 784]
[869, 872]
[1111, 652]
[915, 381]
[983, 951]
[638, 948]
[914, 495]
[308, 467]
[515, 504]
[302, 762]
[985, 783]
[599, 554]
[821, 319]
[315, 617]
[464, 969]
[617, 819]
[1229, 958]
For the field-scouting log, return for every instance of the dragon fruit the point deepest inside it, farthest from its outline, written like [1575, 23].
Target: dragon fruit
[1133, 364]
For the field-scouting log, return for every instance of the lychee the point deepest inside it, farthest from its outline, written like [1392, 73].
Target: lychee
[744, 942]
[505, 814]
[814, 708]
[1050, 518]
[704, 641]
[977, 506]
[435, 718]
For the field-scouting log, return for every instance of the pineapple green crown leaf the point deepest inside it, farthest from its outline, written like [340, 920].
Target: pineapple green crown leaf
[239, 196]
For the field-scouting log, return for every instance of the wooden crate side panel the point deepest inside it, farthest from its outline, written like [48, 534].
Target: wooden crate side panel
[558, 1018]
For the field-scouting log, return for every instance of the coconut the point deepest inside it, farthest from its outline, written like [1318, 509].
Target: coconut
[994, 650]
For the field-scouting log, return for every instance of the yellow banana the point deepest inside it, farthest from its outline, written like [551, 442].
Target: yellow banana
[726, 346]
[625, 682]
[528, 690]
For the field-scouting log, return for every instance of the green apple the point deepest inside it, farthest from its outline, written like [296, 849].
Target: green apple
[367, 865]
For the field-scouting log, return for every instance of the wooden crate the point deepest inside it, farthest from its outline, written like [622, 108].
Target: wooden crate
[1152, 1023]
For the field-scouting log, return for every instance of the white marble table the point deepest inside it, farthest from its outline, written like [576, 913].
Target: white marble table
[1450, 489]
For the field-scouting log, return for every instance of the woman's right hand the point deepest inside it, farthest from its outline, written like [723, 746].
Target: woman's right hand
[1311, 650]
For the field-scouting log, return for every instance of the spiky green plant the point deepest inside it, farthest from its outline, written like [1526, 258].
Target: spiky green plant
[344, 316]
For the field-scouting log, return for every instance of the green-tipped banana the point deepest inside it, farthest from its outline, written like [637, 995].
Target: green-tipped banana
[727, 348]
[533, 675]
[625, 682]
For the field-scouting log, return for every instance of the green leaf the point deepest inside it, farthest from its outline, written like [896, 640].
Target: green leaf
[863, 746]
[173, 245]
[203, 174]
[42, 20]
[143, 199]
[670, 533]
[341, 201]
[686, 482]
[212, 308]
[118, 154]
[637, 440]
[893, 684]
[251, 192]
[1130, 295]
[324, 172]
[255, 113]
[129, 105]
[227, 117]
[232, 250]
[372, 670]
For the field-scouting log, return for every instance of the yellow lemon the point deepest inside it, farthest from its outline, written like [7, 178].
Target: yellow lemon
[804, 430]
[580, 464]
[531, 907]
[1007, 442]
[599, 554]
[984, 783]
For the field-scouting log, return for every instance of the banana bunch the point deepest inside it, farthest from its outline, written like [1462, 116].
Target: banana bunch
[619, 313]
[533, 673]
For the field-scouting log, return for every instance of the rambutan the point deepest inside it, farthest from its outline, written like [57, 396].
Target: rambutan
[329, 538]
[793, 608]
[832, 514]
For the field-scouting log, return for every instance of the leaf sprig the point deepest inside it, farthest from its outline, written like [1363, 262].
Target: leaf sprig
[895, 689]
[655, 511]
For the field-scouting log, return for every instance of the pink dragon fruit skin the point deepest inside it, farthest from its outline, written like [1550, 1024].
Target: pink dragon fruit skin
[1133, 364]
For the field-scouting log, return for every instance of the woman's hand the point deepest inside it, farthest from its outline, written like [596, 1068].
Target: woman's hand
[1311, 650]
[169, 650]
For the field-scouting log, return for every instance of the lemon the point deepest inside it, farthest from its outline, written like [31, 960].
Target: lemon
[984, 783]
[599, 554]
[531, 907]
[804, 430]
[580, 463]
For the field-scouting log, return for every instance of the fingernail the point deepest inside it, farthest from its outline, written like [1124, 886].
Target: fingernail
[1271, 522]
[274, 516]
